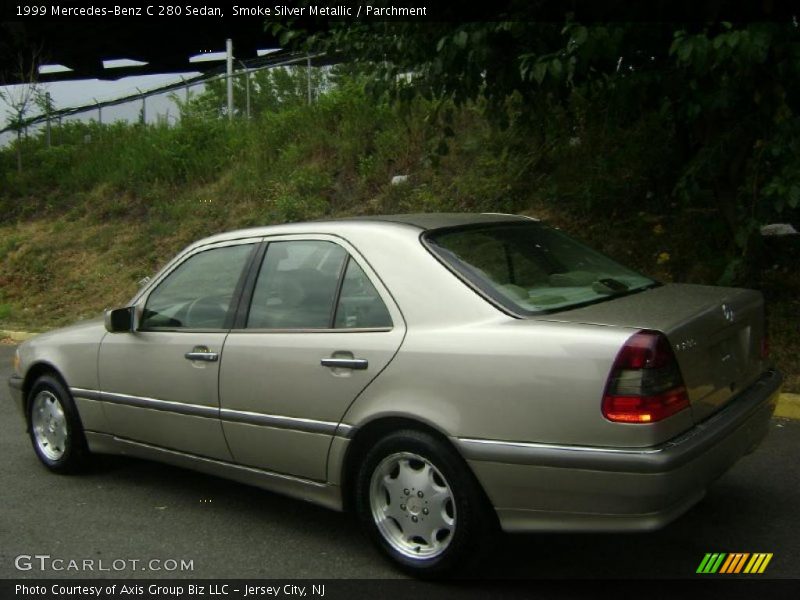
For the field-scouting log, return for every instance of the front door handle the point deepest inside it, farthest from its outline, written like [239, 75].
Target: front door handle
[358, 364]
[202, 353]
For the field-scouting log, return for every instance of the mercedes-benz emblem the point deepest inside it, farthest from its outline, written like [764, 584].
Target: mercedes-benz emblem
[728, 313]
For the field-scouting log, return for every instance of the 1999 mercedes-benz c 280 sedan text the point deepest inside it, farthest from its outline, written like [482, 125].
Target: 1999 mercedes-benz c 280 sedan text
[439, 373]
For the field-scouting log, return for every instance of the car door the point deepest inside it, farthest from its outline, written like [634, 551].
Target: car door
[159, 383]
[319, 326]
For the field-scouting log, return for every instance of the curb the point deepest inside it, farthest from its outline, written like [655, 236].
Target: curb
[788, 406]
[17, 336]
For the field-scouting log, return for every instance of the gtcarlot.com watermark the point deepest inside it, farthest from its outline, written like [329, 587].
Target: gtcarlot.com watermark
[45, 562]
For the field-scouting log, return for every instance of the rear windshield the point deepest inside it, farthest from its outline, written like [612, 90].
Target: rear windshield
[531, 268]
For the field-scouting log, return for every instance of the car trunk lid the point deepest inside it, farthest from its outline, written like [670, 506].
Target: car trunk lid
[715, 332]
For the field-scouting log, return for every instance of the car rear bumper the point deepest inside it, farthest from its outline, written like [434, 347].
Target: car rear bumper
[544, 487]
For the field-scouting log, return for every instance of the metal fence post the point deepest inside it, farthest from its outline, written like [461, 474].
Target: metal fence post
[247, 89]
[229, 71]
[47, 109]
[308, 78]
[144, 106]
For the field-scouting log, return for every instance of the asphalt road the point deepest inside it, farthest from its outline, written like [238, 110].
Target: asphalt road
[129, 509]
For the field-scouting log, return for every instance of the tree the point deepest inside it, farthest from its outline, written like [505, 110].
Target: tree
[727, 92]
[20, 98]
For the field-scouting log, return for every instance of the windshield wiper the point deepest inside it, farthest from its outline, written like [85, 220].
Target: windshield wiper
[609, 285]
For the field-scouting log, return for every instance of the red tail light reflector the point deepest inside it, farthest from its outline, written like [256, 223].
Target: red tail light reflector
[645, 384]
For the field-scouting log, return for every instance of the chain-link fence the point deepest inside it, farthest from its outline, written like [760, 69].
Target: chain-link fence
[166, 104]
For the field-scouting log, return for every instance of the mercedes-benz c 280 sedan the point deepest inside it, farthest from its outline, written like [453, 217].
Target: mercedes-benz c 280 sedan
[440, 374]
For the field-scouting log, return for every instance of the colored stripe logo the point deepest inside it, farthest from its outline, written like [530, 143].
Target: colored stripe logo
[734, 563]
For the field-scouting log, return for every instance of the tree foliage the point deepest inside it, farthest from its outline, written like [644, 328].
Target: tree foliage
[727, 92]
[270, 91]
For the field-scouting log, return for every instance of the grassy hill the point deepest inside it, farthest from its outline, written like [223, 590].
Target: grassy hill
[107, 205]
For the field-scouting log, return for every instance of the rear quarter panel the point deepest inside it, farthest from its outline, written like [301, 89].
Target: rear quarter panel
[509, 379]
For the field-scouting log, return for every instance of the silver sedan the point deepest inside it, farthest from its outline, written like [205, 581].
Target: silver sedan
[442, 375]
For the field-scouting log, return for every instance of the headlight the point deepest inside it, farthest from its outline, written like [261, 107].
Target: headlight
[16, 362]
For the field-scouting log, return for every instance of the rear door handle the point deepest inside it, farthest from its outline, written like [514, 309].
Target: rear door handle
[359, 364]
[202, 353]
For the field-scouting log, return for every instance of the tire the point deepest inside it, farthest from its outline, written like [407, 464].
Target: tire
[55, 427]
[420, 504]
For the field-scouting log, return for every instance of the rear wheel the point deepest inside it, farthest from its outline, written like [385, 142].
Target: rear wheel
[55, 428]
[420, 504]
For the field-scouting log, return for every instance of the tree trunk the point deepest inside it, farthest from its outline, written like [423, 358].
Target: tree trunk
[19, 150]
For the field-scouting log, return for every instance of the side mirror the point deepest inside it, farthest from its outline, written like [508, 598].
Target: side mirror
[119, 320]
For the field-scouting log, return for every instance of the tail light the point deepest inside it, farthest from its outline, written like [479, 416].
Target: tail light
[645, 384]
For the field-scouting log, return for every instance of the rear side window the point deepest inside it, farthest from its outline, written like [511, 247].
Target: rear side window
[531, 268]
[297, 285]
[314, 285]
[360, 306]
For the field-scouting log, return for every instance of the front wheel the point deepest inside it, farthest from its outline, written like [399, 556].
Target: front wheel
[55, 428]
[421, 505]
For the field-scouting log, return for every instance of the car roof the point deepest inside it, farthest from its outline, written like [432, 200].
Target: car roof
[428, 221]
[420, 221]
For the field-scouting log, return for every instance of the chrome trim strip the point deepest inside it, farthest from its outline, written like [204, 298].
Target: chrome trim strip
[593, 458]
[225, 414]
[308, 330]
[194, 410]
[86, 394]
[180, 330]
[537, 446]
[296, 423]
[345, 430]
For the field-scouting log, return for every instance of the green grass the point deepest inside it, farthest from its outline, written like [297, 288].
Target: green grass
[89, 217]
[6, 311]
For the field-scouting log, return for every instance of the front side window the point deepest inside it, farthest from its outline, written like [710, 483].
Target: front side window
[532, 268]
[198, 293]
